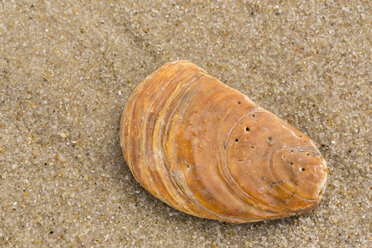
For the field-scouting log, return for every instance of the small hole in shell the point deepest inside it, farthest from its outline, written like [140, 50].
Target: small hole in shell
[252, 147]
[269, 138]
[239, 102]
[308, 154]
[302, 169]
[291, 150]
[291, 163]
[247, 129]
[253, 115]
[236, 140]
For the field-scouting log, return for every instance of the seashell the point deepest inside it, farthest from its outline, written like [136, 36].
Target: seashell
[209, 151]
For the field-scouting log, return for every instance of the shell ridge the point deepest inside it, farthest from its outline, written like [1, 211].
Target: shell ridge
[148, 83]
[274, 209]
[194, 200]
[272, 164]
[130, 106]
[220, 216]
[213, 80]
[144, 138]
[146, 121]
[145, 169]
[185, 87]
[156, 138]
[227, 175]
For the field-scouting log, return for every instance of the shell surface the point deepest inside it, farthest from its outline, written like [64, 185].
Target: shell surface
[208, 150]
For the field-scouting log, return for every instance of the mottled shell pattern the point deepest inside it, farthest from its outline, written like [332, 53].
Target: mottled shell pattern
[209, 151]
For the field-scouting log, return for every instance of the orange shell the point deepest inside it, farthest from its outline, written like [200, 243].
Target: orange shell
[209, 151]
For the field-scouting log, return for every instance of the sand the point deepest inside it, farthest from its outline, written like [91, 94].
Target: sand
[68, 67]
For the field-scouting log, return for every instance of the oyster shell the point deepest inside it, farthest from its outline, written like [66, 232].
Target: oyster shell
[209, 151]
